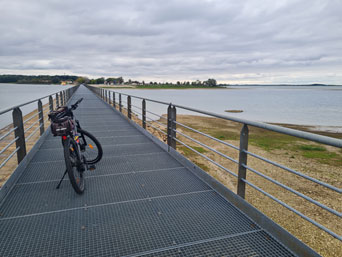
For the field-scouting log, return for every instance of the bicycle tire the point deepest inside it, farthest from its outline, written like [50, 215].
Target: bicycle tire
[71, 159]
[92, 154]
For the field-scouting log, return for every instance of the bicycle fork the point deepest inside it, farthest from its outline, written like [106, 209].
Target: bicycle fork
[81, 162]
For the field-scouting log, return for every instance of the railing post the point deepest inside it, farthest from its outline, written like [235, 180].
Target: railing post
[129, 107]
[171, 126]
[106, 96]
[64, 98]
[174, 127]
[19, 133]
[61, 98]
[120, 106]
[57, 101]
[41, 117]
[241, 187]
[114, 104]
[144, 114]
[51, 103]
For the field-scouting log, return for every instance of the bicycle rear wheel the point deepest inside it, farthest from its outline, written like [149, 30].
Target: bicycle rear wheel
[90, 147]
[71, 160]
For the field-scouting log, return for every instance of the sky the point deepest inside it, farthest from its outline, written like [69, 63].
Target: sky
[250, 41]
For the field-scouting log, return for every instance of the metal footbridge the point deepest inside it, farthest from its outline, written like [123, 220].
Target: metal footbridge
[142, 200]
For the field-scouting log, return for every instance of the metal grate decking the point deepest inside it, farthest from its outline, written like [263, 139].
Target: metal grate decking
[140, 201]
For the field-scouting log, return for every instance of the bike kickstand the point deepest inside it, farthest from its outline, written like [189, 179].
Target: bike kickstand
[60, 182]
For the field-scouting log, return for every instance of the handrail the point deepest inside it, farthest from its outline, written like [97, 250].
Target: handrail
[291, 132]
[208, 136]
[8, 133]
[172, 140]
[295, 172]
[294, 210]
[18, 123]
[32, 101]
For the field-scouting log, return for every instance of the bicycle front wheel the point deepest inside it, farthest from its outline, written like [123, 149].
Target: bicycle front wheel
[71, 161]
[90, 147]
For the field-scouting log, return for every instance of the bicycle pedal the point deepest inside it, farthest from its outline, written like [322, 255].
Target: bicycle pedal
[91, 167]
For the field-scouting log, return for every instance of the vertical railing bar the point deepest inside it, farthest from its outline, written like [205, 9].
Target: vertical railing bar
[171, 126]
[114, 104]
[144, 113]
[19, 133]
[57, 101]
[241, 187]
[51, 103]
[41, 117]
[120, 103]
[129, 107]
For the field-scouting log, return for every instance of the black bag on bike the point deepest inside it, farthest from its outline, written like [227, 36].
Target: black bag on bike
[61, 125]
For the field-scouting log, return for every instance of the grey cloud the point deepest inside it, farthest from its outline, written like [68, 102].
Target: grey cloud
[174, 40]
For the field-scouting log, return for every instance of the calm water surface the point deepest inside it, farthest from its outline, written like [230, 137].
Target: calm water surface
[15, 94]
[303, 105]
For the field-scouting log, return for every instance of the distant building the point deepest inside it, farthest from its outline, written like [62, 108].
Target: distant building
[67, 82]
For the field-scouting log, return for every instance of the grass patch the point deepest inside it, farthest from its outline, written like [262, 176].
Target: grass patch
[312, 148]
[271, 142]
[223, 134]
[187, 152]
[320, 154]
[202, 166]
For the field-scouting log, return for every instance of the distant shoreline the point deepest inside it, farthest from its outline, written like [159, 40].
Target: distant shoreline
[163, 86]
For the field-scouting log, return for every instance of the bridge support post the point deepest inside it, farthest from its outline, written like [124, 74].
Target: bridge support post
[41, 117]
[171, 126]
[241, 187]
[51, 103]
[129, 107]
[120, 105]
[19, 133]
[144, 114]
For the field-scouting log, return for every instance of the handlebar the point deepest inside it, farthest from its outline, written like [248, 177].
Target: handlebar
[75, 105]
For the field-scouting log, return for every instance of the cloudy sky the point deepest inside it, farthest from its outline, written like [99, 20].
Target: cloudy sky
[256, 41]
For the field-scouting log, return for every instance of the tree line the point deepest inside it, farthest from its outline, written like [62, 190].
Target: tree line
[68, 79]
[39, 79]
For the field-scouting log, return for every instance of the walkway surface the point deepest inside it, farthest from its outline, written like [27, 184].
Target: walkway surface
[138, 202]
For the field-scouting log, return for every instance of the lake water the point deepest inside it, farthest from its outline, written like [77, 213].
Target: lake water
[302, 105]
[15, 94]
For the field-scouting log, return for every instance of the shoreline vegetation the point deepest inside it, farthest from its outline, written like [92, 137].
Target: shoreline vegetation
[161, 86]
[119, 82]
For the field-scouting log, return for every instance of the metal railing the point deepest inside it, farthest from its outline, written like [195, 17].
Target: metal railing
[25, 130]
[171, 131]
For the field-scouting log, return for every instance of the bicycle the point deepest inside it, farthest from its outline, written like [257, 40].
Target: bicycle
[81, 149]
